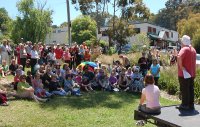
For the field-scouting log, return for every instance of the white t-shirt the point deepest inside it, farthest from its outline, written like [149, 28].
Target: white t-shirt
[152, 94]
[34, 54]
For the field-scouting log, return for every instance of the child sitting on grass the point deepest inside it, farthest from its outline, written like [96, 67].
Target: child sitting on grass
[38, 87]
[5, 68]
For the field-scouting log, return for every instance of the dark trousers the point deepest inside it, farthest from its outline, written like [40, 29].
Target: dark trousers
[187, 91]
[23, 62]
[33, 63]
[156, 80]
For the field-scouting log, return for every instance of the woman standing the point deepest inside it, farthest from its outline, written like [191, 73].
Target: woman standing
[34, 58]
[23, 56]
[151, 95]
[155, 70]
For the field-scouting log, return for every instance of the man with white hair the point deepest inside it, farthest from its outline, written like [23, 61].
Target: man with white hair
[186, 73]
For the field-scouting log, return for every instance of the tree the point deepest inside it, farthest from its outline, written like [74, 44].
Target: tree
[174, 11]
[64, 24]
[83, 29]
[5, 22]
[33, 24]
[191, 27]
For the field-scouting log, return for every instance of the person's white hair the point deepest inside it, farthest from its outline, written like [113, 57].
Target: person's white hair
[186, 40]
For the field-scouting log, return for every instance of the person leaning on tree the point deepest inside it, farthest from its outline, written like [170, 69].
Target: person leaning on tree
[186, 73]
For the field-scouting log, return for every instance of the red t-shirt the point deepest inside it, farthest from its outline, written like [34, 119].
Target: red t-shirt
[59, 53]
[188, 56]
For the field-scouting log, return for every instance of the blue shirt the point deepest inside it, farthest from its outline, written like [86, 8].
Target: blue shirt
[154, 70]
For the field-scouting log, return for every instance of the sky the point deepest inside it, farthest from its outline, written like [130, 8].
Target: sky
[60, 12]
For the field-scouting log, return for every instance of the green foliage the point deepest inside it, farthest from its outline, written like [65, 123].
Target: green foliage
[103, 43]
[33, 24]
[83, 29]
[111, 50]
[5, 22]
[175, 10]
[169, 80]
[197, 86]
[191, 27]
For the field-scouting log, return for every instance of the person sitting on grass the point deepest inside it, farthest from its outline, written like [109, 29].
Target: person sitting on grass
[16, 79]
[29, 78]
[3, 98]
[122, 81]
[21, 70]
[38, 87]
[24, 90]
[113, 82]
[87, 77]
[103, 80]
[150, 95]
[55, 88]
[70, 86]
[5, 68]
[13, 67]
[46, 78]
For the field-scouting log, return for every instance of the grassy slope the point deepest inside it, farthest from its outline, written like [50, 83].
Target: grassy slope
[98, 109]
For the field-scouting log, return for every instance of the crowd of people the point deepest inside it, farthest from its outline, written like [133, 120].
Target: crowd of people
[57, 70]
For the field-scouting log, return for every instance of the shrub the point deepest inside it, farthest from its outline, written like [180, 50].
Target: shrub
[169, 80]
[197, 87]
[111, 50]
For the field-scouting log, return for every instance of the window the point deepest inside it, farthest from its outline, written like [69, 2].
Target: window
[172, 35]
[149, 29]
[154, 30]
[137, 30]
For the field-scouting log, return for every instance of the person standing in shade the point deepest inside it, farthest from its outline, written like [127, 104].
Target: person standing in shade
[186, 73]
[143, 63]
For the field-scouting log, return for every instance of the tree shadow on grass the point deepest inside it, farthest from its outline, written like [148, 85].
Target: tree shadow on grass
[90, 100]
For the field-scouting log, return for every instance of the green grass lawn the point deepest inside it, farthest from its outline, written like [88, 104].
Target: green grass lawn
[97, 109]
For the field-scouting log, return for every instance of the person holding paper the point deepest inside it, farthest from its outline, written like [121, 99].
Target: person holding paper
[186, 73]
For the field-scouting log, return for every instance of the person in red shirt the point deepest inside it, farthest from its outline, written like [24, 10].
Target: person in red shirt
[87, 56]
[59, 53]
[67, 56]
[186, 73]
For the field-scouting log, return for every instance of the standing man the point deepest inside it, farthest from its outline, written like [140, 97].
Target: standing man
[59, 53]
[4, 52]
[186, 73]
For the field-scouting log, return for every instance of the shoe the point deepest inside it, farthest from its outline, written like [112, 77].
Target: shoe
[183, 107]
[5, 104]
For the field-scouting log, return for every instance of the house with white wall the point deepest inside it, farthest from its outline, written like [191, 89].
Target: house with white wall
[159, 36]
[57, 36]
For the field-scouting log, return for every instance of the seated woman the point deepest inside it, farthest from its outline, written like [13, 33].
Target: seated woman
[87, 77]
[55, 88]
[136, 83]
[122, 81]
[24, 90]
[103, 80]
[38, 87]
[150, 94]
[3, 98]
[69, 85]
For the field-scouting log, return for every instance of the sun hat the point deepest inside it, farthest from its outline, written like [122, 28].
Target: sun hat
[186, 40]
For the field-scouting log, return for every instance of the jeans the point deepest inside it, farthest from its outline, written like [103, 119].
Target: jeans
[59, 92]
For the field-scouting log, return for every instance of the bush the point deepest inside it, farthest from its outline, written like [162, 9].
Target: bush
[111, 51]
[169, 80]
[197, 86]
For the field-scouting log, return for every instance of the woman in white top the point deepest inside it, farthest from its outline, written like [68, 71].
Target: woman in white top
[151, 95]
[34, 58]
